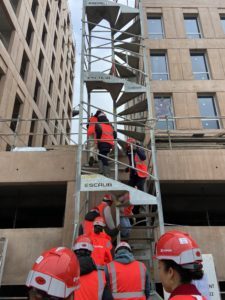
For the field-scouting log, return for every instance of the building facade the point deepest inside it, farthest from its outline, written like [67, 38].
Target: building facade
[186, 44]
[37, 56]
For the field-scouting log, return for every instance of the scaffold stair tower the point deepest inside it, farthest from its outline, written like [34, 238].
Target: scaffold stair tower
[126, 81]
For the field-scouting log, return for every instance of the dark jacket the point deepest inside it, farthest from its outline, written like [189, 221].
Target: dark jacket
[87, 266]
[124, 256]
[141, 154]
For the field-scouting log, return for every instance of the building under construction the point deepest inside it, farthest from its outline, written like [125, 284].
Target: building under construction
[161, 68]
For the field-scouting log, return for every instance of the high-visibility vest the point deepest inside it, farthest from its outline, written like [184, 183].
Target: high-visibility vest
[88, 227]
[140, 166]
[126, 211]
[127, 281]
[188, 297]
[102, 245]
[91, 127]
[107, 134]
[101, 208]
[91, 286]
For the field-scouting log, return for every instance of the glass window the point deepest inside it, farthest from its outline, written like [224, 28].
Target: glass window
[207, 108]
[17, 110]
[155, 27]
[199, 66]
[222, 18]
[163, 109]
[192, 27]
[159, 66]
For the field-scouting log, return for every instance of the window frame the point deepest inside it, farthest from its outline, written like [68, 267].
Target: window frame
[190, 35]
[204, 54]
[173, 122]
[156, 16]
[215, 106]
[160, 53]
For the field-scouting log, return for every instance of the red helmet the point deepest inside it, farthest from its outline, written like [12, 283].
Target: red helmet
[83, 242]
[124, 245]
[99, 221]
[179, 247]
[55, 272]
[107, 197]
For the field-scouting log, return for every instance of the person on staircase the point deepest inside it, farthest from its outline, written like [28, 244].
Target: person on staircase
[101, 243]
[105, 135]
[179, 262]
[92, 138]
[127, 277]
[126, 211]
[105, 212]
[92, 281]
[54, 275]
[86, 227]
[137, 158]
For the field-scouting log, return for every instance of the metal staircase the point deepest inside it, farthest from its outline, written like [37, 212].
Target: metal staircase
[126, 81]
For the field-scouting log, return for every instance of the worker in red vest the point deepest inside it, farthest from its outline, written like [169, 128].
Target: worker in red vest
[104, 209]
[127, 277]
[126, 211]
[92, 281]
[105, 136]
[86, 227]
[180, 262]
[137, 158]
[55, 275]
[92, 139]
[101, 242]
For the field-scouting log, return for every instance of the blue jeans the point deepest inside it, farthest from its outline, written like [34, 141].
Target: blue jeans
[125, 222]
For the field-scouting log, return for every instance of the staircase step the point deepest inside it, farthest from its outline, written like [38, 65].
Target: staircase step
[134, 29]
[126, 15]
[138, 107]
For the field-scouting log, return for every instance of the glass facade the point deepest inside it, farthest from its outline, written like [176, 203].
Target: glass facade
[163, 109]
[199, 66]
[192, 27]
[155, 27]
[159, 66]
[207, 108]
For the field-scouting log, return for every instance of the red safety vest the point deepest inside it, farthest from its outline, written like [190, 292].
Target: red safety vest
[188, 297]
[91, 286]
[91, 127]
[126, 211]
[107, 133]
[127, 281]
[141, 166]
[88, 227]
[101, 208]
[102, 248]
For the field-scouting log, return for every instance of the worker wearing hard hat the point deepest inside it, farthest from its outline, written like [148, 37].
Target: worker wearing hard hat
[104, 209]
[105, 135]
[86, 227]
[92, 281]
[180, 262]
[128, 278]
[92, 145]
[137, 159]
[101, 243]
[55, 275]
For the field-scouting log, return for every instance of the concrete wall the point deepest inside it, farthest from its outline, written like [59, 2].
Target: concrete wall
[24, 246]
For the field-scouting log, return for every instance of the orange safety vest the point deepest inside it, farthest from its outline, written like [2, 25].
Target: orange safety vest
[101, 208]
[91, 127]
[188, 297]
[91, 286]
[102, 248]
[88, 227]
[107, 133]
[127, 281]
[126, 211]
[140, 166]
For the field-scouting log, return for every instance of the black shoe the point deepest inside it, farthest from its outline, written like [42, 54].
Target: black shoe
[91, 161]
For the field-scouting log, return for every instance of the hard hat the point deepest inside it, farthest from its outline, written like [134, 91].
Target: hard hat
[83, 242]
[107, 197]
[130, 141]
[99, 221]
[55, 272]
[124, 245]
[178, 246]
